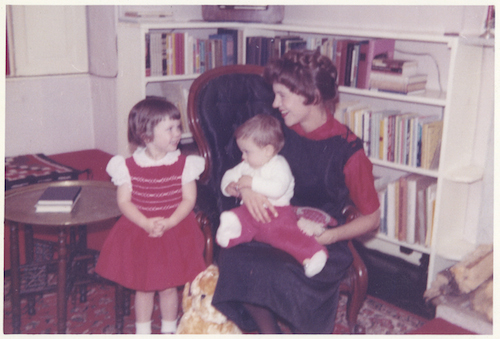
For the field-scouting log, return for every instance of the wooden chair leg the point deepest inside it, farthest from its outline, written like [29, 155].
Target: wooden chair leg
[358, 293]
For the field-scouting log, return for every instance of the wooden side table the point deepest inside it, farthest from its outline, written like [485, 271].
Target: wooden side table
[96, 203]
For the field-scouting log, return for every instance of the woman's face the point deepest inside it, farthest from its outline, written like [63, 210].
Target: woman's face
[291, 105]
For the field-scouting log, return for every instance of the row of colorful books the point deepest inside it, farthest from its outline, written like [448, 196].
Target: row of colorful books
[353, 58]
[165, 53]
[177, 53]
[391, 135]
[407, 209]
[362, 64]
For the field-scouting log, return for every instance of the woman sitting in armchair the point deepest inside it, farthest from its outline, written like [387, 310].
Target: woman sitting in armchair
[259, 284]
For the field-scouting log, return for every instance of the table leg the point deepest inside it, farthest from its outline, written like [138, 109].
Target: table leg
[61, 282]
[29, 244]
[82, 249]
[15, 277]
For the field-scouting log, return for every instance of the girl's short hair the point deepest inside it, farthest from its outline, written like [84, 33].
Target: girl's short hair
[263, 129]
[144, 117]
[305, 72]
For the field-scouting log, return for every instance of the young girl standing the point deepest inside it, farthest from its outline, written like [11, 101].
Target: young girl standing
[156, 245]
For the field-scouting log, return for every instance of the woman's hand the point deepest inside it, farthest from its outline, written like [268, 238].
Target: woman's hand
[359, 226]
[258, 205]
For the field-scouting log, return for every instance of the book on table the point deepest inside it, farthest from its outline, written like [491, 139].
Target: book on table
[58, 199]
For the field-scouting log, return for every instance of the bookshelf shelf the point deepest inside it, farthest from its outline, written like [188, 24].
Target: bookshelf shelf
[453, 64]
[171, 78]
[413, 247]
[405, 168]
[430, 97]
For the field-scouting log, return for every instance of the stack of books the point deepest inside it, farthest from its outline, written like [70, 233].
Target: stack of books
[58, 199]
[397, 75]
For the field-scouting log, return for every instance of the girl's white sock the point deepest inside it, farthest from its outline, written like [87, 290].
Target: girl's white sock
[143, 328]
[168, 326]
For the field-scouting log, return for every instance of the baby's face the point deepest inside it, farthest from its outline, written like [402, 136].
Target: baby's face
[254, 155]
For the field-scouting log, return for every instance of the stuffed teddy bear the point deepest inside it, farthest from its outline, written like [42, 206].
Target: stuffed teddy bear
[313, 221]
[200, 317]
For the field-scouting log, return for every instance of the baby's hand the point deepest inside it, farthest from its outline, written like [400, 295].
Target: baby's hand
[233, 190]
[245, 182]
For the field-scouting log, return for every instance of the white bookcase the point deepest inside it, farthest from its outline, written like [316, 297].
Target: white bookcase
[455, 68]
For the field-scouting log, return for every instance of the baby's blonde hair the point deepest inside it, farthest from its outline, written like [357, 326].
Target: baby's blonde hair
[263, 130]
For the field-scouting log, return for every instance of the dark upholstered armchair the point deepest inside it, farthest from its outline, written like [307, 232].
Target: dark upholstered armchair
[219, 101]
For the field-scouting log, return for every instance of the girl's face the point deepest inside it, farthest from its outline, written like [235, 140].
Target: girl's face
[166, 136]
[291, 105]
[254, 155]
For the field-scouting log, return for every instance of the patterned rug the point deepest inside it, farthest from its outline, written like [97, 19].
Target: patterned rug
[97, 315]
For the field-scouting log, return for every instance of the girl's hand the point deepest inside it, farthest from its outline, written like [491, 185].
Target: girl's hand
[150, 226]
[233, 190]
[161, 226]
[258, 205]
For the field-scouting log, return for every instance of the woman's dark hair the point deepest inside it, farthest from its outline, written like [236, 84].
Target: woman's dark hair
[144, 117]
[305, 72]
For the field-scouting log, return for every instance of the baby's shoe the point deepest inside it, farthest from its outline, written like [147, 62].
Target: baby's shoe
[229, 228]
[315, 264]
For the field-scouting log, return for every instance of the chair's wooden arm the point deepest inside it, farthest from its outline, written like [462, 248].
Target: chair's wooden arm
[207, 233]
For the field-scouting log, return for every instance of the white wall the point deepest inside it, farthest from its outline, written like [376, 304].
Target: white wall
[423, 19]
[103, 68]
[48, 115]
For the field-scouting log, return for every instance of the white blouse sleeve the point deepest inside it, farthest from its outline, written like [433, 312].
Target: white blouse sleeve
[195, 165]
[118, 170]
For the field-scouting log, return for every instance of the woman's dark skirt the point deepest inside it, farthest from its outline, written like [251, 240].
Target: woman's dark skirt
[259, 274]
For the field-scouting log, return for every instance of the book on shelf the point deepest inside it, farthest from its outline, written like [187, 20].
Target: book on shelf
[341, 59]
[398, 83]
[234, 42]
[431, 142]
[399, 79]
[351, 66]
[368, 51]
[284, 40]
[408, 207]
[226, 49]
[58, 199]
[395, 66]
